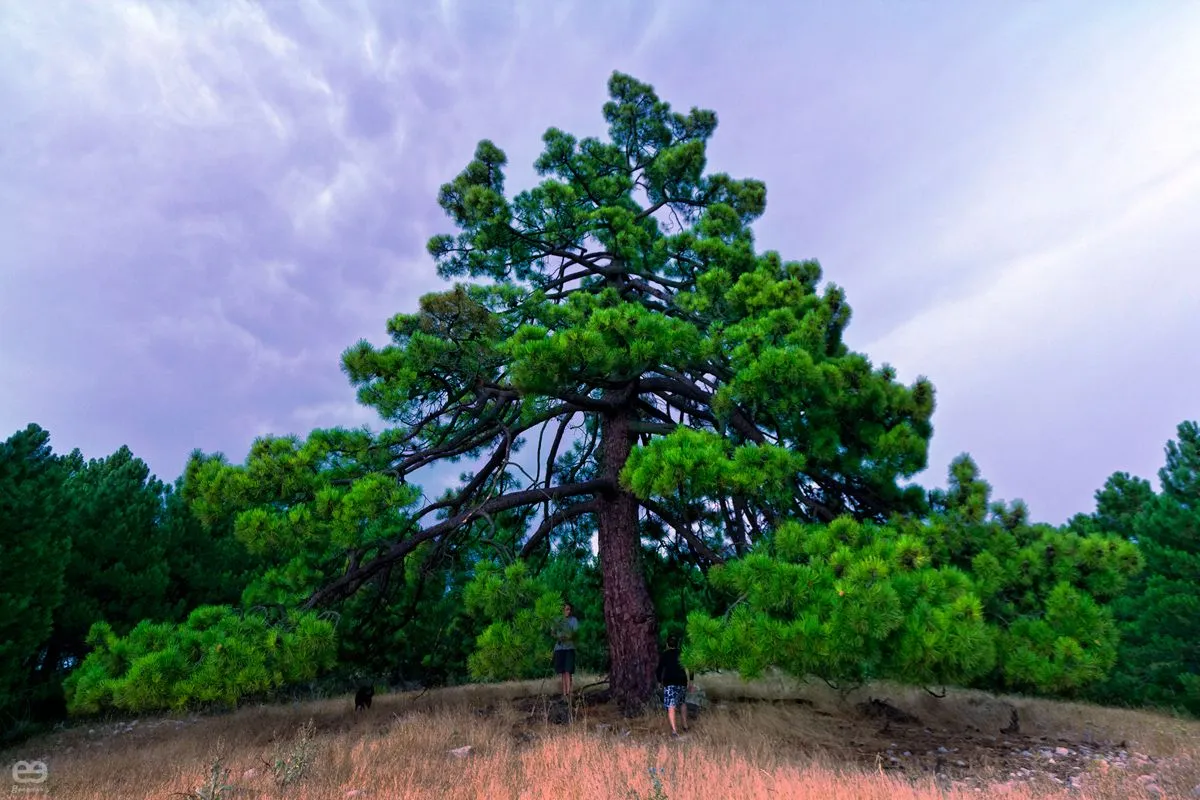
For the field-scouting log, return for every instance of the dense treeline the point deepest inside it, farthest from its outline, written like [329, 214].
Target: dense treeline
[154, 592]
[659, 423]
[1159, 616]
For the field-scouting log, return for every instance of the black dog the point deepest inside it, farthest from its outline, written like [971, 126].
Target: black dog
[362, 700]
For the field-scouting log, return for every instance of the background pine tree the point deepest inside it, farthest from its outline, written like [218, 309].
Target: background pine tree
[35, 556]
[1160, 615]
[972, 594]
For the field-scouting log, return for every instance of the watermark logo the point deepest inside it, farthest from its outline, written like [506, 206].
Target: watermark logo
[30, 772]
[28, 776]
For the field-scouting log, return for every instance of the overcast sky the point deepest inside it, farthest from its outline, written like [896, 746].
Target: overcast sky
[202, 204]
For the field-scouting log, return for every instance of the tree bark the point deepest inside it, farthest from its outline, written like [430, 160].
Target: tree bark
[628, 610]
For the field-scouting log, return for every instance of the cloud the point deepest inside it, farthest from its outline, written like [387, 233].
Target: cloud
[1070, 334]
[209, 186]
[348, 414]
[205, 204]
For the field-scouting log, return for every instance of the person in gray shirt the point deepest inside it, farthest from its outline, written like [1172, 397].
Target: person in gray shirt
[564, 649]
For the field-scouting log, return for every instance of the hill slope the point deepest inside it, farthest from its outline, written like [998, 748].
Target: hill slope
[769, 738]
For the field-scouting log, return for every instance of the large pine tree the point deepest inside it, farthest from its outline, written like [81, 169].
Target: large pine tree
[619, 316]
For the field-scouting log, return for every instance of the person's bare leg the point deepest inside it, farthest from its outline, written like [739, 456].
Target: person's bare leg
[567, 684]
[683, 711]
[671, 718]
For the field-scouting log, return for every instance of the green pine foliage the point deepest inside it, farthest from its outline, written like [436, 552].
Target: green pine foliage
[1047, 590]
[971, 595]
[128, 546]
[217, 656]
[207, 563]
[678, 588]
[118, 570]
[574, 575]
[305, 507]
[519, 605]
[33, 565]
[521, 611]
[847, 602]
[410, 626]
[1159, 617]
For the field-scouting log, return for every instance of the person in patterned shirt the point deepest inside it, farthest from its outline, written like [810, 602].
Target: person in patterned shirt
[676, 681]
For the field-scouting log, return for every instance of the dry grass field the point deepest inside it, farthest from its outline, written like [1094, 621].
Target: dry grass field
[772, 738]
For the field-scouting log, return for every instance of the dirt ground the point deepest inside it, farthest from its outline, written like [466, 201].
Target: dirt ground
[964, 739]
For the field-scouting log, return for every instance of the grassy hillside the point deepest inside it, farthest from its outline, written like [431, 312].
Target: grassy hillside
[772, 738]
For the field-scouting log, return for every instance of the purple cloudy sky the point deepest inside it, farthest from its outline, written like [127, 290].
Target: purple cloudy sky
[202, 204]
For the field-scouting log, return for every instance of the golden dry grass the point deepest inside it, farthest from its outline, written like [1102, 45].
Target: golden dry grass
[800, 741]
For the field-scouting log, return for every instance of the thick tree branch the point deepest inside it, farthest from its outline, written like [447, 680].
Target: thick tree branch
[739, 419]
[554, 520]
[476, 436]
[684, 406]
[586, 260]
[677, 375]
[565, 293]
[741, 514]
[736, 532]
[479, 435]
[476, 482]
[589, 448]
[582, 402]
[670, 201]
[754, 526]
[697, 544]
[647, 426]
[643, 286]
[558, 437]
[824, 512]
[647, 407]
[348, 583]
[654, 278]
[565, 279]
[691, 262]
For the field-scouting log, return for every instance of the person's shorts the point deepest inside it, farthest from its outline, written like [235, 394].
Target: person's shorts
[673, 696]
[564, 661]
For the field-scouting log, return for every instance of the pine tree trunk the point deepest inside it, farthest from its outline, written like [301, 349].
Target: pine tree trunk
[628, 610]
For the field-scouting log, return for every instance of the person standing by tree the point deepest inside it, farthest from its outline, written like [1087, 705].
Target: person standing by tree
[675, 681]
[564, 649]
